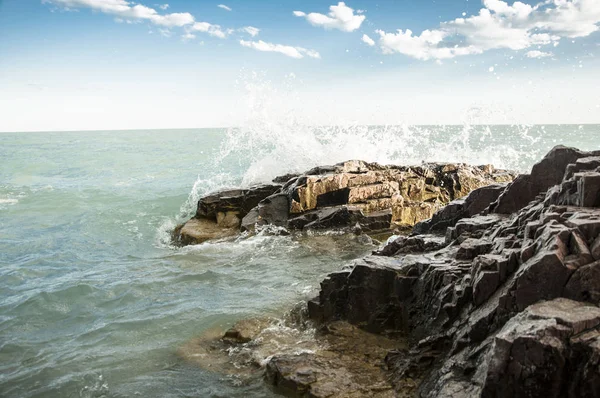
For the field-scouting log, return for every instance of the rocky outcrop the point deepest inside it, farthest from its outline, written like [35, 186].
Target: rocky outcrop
[367, 197]
[219, 215]
[498, 293]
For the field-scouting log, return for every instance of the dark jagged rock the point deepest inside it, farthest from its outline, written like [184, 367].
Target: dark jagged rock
[474, 203]
[237, 201]
[545, 174]
[223, 214]
[504, 304]
[352, 195]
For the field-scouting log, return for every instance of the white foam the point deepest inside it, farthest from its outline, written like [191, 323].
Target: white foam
[277, 138]
[9, 201]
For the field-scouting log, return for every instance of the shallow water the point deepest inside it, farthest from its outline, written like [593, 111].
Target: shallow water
[95, 302]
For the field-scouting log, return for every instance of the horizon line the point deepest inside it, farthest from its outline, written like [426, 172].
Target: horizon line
[322, 125]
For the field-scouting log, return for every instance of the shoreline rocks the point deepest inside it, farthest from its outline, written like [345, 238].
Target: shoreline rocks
[352, 195]
[496, 294]
[501, 302]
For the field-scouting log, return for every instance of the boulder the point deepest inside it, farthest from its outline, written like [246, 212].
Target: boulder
[200, 230]
[532, 356]
[238, 201]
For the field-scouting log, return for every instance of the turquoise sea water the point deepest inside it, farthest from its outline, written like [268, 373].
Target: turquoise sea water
[94, 302]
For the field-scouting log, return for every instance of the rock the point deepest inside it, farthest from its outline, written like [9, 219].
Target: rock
[274, 209]
[411, 192]
[584, 284]
[285, 178]
[548, 172]
[351, 365]
[246, 330]
[588, 186]
[197, 231]
[333, 218]
[581, 164]
[379, 198]
[490, 305]
[471, 248]
[412, 244]
[376, 221]
[239, 201]
[531, 356]
[250, 221]
[474, 203]
[595, 249]
[471, 226]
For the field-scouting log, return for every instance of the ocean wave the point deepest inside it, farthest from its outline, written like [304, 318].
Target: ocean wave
[277, 138]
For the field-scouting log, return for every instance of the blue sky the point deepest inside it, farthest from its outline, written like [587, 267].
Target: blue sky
[118, 64]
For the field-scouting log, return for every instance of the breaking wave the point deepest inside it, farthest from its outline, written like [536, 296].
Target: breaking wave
[277, 137]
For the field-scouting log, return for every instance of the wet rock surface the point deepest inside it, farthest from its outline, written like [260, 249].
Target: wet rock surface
[338, 360]
[351, 194]
[499, 303]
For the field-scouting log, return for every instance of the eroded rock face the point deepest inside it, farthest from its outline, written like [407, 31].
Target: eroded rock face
[368, 196]
[504, 303]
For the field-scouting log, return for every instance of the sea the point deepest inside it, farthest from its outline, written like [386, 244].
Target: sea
[95, 301]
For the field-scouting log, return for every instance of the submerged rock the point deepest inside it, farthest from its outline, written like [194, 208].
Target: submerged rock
[371, 196]
[339, 360]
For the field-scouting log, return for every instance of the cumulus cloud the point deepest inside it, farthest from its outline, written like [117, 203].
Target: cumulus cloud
[223, 6]
[188, 36]
[538, 54]
[340, 17]
[212, 30]
[128, 11]
[290, 51]
[251, 30]
[368, 40]
[498, 25]
[163, 6]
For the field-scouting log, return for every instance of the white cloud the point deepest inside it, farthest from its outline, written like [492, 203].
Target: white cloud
[340, 17]
[368, 40]
[251, 30]
[293, 52]
[538, 54]
[213, 30]
[223, 6]
[165, 32]
[125, 10]
[498, 26]
[188, 36]
[163, 6]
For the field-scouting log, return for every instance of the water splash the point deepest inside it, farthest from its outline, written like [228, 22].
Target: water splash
[277, 137]
[95, 387]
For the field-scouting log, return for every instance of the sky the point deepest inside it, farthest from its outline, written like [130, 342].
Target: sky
[119, 64]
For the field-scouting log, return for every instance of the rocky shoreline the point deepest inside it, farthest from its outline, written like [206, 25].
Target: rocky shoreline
[494, 295]
[368, 197]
